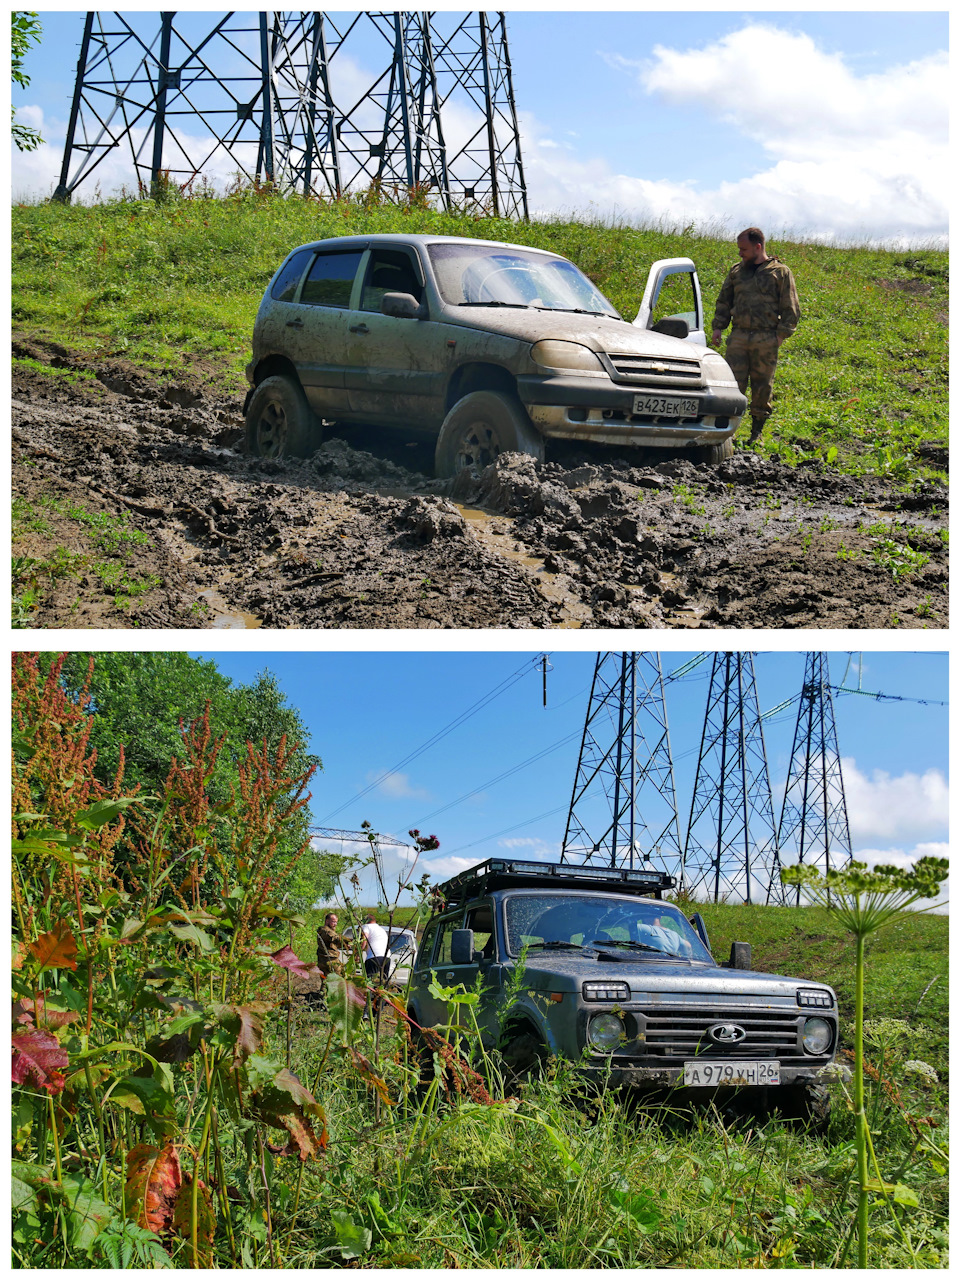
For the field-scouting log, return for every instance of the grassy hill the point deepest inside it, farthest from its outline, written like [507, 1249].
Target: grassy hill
[175, 287]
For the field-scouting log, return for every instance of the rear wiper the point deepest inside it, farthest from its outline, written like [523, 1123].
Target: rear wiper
[633, 946]
[522, 305]
[569, 946]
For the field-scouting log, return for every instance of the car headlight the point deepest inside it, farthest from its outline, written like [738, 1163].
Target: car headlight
[606, 991]
[553, 353]
[817, 1035]
[605, 1031]
[814, 999]
[716, 371]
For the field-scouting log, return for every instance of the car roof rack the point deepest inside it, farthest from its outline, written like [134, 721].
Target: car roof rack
[508, 873]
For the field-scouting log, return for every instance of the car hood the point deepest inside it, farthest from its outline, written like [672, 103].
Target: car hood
[599, 333]
[655, 981]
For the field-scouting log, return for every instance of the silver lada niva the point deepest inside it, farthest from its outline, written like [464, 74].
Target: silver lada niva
[495, 347]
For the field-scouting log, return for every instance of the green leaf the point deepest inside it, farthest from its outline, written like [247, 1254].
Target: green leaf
[352, 1238]
[87, 1214]
[104, 811]
[190, 933]
[905, 1195]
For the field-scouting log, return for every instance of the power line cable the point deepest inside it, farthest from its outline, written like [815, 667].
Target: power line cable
[529, 666]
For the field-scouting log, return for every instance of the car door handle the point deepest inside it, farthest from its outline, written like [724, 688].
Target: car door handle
[359, 328]
[294, 324]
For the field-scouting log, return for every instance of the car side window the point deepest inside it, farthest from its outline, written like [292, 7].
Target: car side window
[480, 920]
[329, 282]
[285, 285]
[426, 947]
[677, 300]
[388, 271]
[447, 927]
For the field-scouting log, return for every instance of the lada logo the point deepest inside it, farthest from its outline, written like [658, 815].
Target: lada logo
[726, 1033]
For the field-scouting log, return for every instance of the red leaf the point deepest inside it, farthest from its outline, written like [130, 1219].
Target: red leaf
[284, 1103]
[25, 1012]
[206, 1222]
[365, 1068]
[244, 1021]
[287, 958]
[37, 1058]
[153, 1182]
[56, 949]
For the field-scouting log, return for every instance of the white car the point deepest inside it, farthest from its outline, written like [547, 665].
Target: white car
[402, 950]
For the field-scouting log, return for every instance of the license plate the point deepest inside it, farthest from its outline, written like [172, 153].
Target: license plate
[665, 406]
[714, 1073]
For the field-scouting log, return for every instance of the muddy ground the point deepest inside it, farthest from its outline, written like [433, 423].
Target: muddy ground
[361, 535]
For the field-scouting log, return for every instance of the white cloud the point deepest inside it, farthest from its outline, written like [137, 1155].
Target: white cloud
[397, 786]
[906, 858]
[910, 805]
[848, 156]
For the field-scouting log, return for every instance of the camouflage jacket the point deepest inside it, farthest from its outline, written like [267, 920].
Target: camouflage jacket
[328, 950]
[762, 297]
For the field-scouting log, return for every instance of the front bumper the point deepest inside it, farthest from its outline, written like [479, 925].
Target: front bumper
[598, 409]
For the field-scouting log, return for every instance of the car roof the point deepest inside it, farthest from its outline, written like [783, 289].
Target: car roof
[420, 241]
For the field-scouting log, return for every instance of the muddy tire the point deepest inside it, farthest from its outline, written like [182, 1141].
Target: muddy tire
[524, 1058]
[481, 426]
[809, 1103]
[279, 421]
[712, 454]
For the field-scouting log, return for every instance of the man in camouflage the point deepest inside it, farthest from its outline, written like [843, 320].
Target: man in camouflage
[759, 297]
[329, 943]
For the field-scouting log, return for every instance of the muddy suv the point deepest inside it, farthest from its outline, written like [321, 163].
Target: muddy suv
[495, 347]
[624, 984]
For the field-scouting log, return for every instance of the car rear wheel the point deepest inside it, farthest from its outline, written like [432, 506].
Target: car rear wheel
[279, 421]
[711, 454]
[479, 428]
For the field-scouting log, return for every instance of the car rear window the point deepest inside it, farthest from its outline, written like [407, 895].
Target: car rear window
[330, 280]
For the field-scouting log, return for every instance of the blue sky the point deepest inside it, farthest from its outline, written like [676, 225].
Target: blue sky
[367, 712]
[824, 124]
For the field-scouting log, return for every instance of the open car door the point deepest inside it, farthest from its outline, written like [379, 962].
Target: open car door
[673, 294]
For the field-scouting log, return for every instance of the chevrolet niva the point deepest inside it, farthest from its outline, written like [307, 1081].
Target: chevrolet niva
[621, 983]
[494, 347]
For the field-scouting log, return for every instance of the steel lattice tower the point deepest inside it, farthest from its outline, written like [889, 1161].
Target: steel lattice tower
[731, 848]
[273, 99]
[813, 821]
[625, 751]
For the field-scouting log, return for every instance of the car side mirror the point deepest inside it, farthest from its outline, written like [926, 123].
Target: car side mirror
[741, 956]
[672, 326]
[403, 306]
[461, 946]
[699, 924]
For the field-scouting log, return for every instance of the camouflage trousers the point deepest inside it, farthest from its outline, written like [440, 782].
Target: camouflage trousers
[752, 355]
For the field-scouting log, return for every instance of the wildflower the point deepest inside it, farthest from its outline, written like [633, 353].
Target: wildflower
[915, 1067]
[834, 1071]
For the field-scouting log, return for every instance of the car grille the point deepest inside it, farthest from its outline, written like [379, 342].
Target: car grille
[656, 370]
[678, 1033]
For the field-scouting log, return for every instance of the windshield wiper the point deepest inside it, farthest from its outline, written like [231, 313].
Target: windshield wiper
[633, 946]
[522, 305]
[582, 311]
[569, 946]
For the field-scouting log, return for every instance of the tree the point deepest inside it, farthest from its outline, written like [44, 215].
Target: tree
[26, 29]
[140, 701]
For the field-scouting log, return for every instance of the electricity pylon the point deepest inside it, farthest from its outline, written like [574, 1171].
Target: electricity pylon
[625, 756]
[731, 849]
[273, 100]
[813, 822]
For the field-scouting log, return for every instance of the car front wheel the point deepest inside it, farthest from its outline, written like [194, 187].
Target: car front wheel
[479, 428]
[711, 454]
[279, 421]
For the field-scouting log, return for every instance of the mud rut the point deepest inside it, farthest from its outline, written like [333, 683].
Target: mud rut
[360, 535]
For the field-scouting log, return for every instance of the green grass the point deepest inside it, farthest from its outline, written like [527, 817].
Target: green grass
[104, 544]
[862, 383]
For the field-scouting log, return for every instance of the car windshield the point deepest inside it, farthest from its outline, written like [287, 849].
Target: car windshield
[500, 275]
[628, 927]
